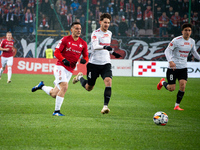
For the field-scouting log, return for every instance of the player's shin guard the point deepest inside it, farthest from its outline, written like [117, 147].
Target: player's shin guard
[83, 82]
[165, 84]
[179, 96]
[9, 73]
[107, 95]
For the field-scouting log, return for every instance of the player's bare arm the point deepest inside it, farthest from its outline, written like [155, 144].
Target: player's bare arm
[172, 65]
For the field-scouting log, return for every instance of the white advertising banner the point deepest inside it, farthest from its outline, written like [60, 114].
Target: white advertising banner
[121, 67]
[159, 68]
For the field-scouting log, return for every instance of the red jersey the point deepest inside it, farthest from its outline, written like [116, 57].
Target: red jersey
[176, 20]
[71, 50]
[147, 14]
[7, 44]
[162, 18]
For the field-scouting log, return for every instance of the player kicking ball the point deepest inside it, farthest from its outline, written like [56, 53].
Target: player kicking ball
[68, 51]
[99, 63]
[176, 54]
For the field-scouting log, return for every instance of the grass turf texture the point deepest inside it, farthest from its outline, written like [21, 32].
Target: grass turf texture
[26, 120]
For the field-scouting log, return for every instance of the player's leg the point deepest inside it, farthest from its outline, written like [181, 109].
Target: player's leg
[63, 86]
[47, 89]
[171, 84]
[92, 75]
[84, 82]
[182, 77]
[62, 77]
[180, 94]
[3, 63]
[9, 63]
[107, 78]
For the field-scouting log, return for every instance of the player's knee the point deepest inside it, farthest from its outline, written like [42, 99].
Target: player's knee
[108, 82]
[171, 88]
[89, 88]
[53, 95]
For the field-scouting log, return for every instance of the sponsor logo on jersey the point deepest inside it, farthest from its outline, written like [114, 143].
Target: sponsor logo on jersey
[186, 43]
[183, 51]
[170, 44]
[80, 45]
[70, 49]
[58, 46]
[74, 44]
[94, 37]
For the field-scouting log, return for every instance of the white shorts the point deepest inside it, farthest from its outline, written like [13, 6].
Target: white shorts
[61, 75]
[6, 60]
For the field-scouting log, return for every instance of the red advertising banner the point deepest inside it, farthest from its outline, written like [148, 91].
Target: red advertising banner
[39, 66]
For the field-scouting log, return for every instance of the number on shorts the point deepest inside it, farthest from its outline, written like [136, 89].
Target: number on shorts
[171, 77]
[89, 75]
[60, 72]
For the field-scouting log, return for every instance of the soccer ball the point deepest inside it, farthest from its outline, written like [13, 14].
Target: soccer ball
[160, 118]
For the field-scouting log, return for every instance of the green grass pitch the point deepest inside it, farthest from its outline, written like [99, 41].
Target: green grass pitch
[26, 120]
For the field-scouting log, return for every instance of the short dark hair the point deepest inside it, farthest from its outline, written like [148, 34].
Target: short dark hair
[8, 32]
[48, 46]
[105, 15]
[74, 23]
[185, 25]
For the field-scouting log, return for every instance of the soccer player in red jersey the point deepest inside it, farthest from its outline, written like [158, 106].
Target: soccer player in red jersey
[68, 52]
[7, 57]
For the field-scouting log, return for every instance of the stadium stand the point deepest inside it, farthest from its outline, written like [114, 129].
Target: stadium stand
[19, 16]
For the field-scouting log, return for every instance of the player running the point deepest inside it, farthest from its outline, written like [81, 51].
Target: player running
[99, 62]
[176, 54]
[68, 51]
[7, 57]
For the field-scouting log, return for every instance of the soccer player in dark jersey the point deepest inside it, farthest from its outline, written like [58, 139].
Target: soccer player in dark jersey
[176, 54]
[7, 57]
[68, 52]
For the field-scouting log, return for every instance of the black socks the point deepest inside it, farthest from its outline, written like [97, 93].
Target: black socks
[165, 84]
[179, 96]
[83, 81]
[107, 94]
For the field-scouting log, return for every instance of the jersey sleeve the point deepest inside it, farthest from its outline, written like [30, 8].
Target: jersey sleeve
[59, 49]
[95, 42]
[194, 52]
[169, 49]
[61, 45]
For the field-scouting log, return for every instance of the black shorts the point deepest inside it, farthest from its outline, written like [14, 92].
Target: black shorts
[93, 72]
[179, 74]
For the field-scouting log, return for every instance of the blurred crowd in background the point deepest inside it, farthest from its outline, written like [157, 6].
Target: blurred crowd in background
[129, 17]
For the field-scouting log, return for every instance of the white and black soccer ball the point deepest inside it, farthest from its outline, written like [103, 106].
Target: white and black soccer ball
[160, 118]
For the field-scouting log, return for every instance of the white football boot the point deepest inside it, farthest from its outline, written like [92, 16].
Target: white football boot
[105, 110]
[75, 79]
